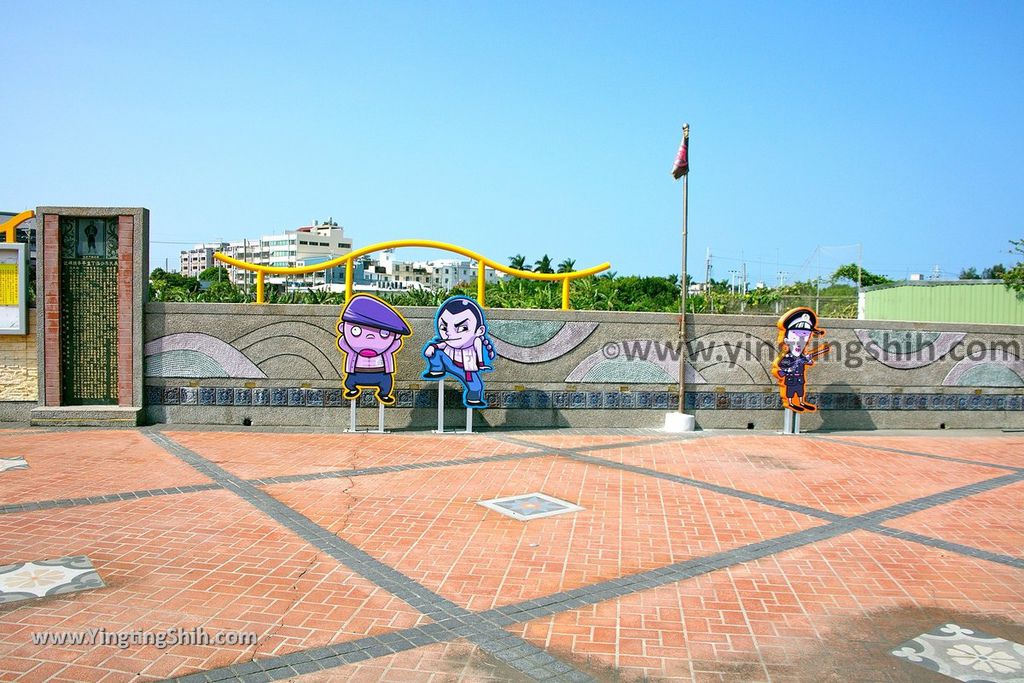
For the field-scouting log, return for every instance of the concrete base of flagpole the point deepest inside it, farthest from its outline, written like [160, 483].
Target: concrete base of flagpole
[679, 422]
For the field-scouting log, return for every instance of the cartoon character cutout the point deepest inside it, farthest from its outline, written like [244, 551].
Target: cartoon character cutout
[796, 329]
[461, 348]
[370, 333]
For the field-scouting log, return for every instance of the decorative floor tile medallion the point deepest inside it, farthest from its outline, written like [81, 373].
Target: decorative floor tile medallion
[16, 463]
[966, 655]
[44, 578]
[530, 506]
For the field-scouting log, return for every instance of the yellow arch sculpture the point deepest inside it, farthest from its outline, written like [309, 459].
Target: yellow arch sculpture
[482, 264]
[7, 228]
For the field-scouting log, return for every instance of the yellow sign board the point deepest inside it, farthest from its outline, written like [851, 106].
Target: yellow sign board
[9, 284]
[13, 309]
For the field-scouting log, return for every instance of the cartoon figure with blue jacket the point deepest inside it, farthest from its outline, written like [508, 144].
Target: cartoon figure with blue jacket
[461, 348]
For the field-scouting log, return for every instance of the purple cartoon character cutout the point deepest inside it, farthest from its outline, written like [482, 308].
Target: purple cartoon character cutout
[369, 334]
[461, 348]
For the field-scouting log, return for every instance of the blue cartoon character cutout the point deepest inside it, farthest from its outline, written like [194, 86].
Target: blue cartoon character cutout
[461, 348]
[370, 333]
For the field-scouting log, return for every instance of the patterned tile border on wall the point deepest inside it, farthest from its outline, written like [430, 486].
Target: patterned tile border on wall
[576, 400]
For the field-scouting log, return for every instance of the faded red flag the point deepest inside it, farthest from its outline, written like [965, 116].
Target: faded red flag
[682, 166]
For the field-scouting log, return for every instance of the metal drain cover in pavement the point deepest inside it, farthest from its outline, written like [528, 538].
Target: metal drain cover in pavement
[530, 506]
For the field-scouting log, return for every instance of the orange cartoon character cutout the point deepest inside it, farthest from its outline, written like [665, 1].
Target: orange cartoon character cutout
[797, 327]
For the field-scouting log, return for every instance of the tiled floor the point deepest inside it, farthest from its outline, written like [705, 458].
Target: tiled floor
[716, 556]
[825, 475]
[65, 465]
[988, 521]
[427, 524]
[262, 455]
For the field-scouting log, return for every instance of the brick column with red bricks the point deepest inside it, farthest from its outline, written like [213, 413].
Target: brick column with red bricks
[51, 303]
[125, 275]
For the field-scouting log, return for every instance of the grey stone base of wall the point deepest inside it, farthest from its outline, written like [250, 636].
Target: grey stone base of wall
[497, 418]
[400, 418]
[16, 411]
[832, 420]
[85, 416]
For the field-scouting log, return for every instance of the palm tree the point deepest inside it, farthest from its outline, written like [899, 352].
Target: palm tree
[543, 265]
[518, 262]
[567, 265]
[608, 275]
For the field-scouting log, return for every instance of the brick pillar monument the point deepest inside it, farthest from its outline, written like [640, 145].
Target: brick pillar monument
[92, 274]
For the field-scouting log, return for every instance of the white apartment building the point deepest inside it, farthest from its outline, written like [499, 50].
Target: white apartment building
[451, 272]
[199, 258]
[291, 248]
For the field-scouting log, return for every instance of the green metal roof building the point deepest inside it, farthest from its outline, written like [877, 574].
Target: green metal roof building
[955, 301]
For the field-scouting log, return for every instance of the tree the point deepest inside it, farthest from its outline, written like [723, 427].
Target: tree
[567, 265]
[849, 272]
[518, 262]
[969, 274]
[995, 272]
[215, 274]
[1014, 278]
[543, 265]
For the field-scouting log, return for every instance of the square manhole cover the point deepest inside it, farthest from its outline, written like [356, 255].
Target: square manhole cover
[530, 506]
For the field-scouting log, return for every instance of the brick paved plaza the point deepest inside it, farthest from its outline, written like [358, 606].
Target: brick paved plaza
[732, 556]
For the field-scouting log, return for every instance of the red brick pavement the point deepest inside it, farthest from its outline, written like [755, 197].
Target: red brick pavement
[799, 615]
[821, 474]
[428, 525]
[1006, 449]
[201, 559]
[990, 521]
[459, 660]
[258, 455]
[829, 611]
[87, 463]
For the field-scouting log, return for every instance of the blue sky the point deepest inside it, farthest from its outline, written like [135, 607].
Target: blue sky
[535, 127]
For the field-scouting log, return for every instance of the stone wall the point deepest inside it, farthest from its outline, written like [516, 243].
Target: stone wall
[19, 373]
[278, 365]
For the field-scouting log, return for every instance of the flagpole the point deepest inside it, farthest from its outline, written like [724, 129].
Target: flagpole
[683, 353]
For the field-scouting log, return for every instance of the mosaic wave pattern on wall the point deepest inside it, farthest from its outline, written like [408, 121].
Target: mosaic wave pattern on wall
[995, 368]
[633, 361]
[908, 349]
[194, 354]
[293, 349]
[538, 346]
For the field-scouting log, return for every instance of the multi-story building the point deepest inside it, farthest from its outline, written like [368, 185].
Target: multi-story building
[309, 243]
[321, 242]
[451, 272]
[199, 258]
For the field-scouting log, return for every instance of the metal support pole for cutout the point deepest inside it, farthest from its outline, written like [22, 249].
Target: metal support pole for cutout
[440, 407]
[440, 414]
[790, 421]
[352, 418]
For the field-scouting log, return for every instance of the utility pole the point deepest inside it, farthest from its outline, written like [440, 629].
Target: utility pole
[707, 280]
[817, 295]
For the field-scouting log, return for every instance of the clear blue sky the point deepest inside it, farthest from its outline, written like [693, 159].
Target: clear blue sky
[534, 127]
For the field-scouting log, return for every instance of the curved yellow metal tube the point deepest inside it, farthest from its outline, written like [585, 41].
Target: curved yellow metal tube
[7, 228]
[348, 259]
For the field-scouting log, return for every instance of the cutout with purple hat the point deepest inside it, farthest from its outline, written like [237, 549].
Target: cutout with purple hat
[370, 333]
